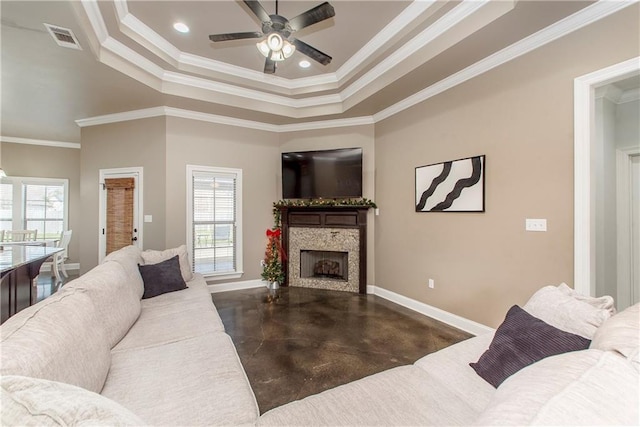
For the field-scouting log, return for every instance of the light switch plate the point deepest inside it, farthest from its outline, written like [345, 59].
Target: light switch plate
[148, 218]
[532, 224]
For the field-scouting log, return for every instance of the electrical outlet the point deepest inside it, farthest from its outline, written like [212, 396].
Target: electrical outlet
[432, 284]
[535, 224]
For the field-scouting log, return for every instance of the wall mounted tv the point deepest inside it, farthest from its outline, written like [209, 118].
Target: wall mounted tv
[326, 174]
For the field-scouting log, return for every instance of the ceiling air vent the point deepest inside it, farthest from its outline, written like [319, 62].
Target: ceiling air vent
[63, 36]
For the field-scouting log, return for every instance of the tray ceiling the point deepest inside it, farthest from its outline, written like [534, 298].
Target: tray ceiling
[132, 58]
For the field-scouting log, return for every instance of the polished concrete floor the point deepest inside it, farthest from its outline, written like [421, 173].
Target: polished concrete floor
[302, 341]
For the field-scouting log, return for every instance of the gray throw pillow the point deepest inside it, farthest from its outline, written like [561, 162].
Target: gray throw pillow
[162, 277]
[520, 341]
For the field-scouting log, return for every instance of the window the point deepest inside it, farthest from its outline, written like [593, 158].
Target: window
[44, 206]
[214, 220]
[6, 206]
[34, 204]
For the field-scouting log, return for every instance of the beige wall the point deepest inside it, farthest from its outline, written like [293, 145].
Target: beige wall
[28, 160]
[136, 143]
[347, 137]
[205, 144]
[521, 116]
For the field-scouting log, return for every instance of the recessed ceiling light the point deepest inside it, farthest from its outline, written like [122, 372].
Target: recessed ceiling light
[180, 27]
[304, 64]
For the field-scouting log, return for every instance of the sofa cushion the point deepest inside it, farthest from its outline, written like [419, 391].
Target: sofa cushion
[62, 338]
[196, 381]
[114, 296]
[589, 387]
[162, 278]
[129, 258]
[566, 312]
[621, 333]
[450, 367]
[153, 257]
[520, 341]
[172, 322]
[38, 402]
[403, 396]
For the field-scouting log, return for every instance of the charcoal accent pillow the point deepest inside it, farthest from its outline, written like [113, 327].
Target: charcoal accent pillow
[162, 277]
[520, 341]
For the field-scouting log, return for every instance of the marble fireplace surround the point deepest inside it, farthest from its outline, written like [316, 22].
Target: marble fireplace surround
[326, 228]
[325, 239]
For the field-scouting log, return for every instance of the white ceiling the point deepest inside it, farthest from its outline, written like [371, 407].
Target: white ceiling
[383, 52]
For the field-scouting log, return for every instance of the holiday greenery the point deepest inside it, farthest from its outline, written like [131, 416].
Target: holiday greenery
[273, 258]
[366, 203]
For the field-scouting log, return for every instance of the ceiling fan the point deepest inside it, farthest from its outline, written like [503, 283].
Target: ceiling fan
[278, 43]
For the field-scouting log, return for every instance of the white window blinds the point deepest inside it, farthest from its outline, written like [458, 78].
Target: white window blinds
[215, 223]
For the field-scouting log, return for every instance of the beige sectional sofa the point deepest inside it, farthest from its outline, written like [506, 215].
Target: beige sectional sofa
[159, 361]
[96, 353]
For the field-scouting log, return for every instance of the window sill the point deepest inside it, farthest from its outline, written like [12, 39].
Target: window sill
[222, 276]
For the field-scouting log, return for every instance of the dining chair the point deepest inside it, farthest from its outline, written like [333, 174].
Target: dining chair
[21, 235]
[60, 257]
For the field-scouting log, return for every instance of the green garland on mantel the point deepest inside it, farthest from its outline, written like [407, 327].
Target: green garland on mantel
[309, 203]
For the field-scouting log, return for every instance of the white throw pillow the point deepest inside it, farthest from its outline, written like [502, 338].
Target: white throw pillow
[605, 302]
[153, 257]
[589, 387]
[621, 333]
[30, 401]
[566, 312]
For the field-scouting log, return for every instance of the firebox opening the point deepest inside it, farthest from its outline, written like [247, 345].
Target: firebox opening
[329, 265]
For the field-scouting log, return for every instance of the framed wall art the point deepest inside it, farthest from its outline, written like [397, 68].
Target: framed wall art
[454, 186]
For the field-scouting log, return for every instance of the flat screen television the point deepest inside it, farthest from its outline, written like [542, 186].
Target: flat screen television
[326, 174]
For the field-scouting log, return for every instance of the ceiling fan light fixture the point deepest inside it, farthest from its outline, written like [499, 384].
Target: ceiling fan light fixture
[275, 41]
[275, 47]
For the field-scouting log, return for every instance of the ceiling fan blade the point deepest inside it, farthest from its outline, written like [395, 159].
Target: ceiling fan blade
[312, 16]
[258, 10]
[312, 52]
[269, 66]
[235, 36]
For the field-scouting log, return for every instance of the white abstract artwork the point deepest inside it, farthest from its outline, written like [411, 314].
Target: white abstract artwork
[454, 186]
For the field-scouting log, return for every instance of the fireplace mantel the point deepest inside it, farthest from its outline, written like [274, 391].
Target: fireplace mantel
[335, 217]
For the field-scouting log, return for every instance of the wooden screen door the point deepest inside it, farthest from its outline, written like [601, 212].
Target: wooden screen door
[119, 209]
[119, 230]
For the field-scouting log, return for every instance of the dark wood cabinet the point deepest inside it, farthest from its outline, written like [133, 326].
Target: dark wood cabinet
[20, 268]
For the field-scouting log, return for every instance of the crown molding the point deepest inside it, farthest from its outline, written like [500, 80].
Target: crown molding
[144, 113]
[45, 142]
[439, 29]
[223, 120]
[630, 95]
[572, 23]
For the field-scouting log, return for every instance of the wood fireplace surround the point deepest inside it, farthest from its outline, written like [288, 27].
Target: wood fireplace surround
[351, 219]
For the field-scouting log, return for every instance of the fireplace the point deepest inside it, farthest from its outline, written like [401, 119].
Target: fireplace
[326, 247]
[329, 265]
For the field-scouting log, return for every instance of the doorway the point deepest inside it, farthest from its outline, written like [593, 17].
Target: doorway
[120, 209]
[601, 227]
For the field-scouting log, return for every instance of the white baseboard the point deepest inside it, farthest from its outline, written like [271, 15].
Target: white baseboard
[71, 266]
[236, 286]
[454, 320]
